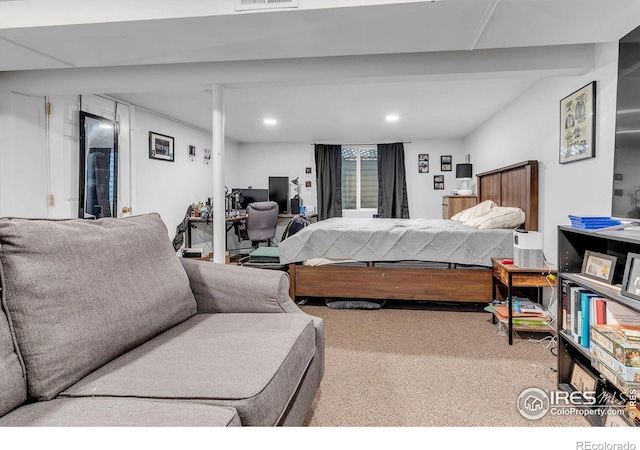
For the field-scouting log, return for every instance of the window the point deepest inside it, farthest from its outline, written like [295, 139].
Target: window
[359, 177]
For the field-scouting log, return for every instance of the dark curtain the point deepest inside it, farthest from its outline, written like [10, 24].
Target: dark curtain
[329, 180]
[392, 182]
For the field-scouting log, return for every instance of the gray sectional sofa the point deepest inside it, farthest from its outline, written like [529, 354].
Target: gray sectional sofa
[103, 325]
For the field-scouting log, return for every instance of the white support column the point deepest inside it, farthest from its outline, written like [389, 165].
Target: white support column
[217, 159]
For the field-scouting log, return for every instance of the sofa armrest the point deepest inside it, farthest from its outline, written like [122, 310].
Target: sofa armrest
[225, 288]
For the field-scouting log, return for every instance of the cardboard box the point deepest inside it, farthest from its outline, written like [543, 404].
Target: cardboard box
[619, 341]
[625, 372]
[625, 386]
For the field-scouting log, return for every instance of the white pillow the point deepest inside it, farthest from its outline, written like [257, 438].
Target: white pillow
[474, 211]
[497, 218]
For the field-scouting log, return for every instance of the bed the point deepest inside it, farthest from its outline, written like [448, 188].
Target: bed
[411, 259]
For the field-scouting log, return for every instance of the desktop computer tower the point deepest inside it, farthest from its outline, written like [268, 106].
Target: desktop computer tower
[295, 205]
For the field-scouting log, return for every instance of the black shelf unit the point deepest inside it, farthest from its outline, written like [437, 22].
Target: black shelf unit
[572, 245]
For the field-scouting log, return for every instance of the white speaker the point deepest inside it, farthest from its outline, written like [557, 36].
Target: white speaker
[527, 249]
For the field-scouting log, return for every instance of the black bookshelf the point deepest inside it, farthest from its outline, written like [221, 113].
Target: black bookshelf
[572, 245]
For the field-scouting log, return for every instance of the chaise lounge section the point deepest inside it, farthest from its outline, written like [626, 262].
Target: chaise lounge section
[103, 325]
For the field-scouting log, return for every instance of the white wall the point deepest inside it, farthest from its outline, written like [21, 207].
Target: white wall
[168, 188]
[529, 128]
[425, 202]
[256, 162]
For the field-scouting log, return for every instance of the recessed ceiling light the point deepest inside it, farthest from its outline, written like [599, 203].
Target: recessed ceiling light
[392, 118]
[270, 121]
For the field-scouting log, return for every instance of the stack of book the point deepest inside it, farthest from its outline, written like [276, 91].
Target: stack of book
[526, 314]
[581, 309]
[592, 223]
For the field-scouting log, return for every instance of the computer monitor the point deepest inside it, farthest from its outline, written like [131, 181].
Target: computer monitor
[279, 192]
[250, 195]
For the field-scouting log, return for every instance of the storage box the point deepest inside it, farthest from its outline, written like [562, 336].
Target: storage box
[625, 386]
[617, 341]
[625, 372]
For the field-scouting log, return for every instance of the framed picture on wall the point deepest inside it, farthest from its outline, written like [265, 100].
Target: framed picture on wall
[438, 182]
[423, 163]
[445, 163]
[160, 147]
[577, 126]
[192, 153]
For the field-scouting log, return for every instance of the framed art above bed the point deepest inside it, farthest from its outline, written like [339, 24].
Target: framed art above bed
[382, 269]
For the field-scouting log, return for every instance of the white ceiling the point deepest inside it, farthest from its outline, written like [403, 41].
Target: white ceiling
[326, 74]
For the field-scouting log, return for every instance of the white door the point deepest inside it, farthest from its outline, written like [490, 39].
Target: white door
[64, 151]
[23, 156]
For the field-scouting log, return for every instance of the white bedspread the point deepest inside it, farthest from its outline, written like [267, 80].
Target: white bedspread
[436, 240]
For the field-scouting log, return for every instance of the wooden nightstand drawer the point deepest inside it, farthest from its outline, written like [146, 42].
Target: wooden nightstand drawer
[453, 204]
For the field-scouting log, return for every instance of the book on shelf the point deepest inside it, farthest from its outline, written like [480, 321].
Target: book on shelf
[502, 311]
[587, 300]
[528, 321]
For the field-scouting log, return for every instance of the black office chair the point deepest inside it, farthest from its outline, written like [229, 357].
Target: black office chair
[261, 222]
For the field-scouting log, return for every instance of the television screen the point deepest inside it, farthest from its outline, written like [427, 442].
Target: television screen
[626, 165]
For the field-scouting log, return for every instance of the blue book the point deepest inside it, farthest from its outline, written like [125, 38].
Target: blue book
[585, 307]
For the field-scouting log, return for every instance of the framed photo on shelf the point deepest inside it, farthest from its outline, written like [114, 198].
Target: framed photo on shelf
[445, 163]
[582, 379]
[423, 163]
[631, 279]
[160, 147]
[577, 125]
[614, 419]
[598, 266]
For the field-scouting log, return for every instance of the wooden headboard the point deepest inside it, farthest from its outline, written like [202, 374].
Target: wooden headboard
[515, 185]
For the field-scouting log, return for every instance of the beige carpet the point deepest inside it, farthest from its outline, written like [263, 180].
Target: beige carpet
[425, 367]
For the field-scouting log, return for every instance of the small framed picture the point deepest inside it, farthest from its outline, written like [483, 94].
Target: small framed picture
[307, 170]
[423, 163]
[192, 153]
[438, 182]
[307, 184]
[445, 163]
[598, 266]
[631, 280]
[160, 147]
[207, 157]
[614, 419]
[582, 379]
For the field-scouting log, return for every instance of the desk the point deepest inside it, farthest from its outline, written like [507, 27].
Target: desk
[513, 276]
[310, 216]
[231, 223]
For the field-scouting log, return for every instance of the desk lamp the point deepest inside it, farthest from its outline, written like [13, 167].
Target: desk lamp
[296, 202]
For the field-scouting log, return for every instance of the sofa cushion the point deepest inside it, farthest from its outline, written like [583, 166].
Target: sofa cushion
[79, 292]
[13, 387]
[120, 412]
[252, 362]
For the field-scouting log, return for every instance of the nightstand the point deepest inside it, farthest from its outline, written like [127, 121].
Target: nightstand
[453, 204]
[513, 276]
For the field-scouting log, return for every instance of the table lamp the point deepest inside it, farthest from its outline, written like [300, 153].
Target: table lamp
[463, 173]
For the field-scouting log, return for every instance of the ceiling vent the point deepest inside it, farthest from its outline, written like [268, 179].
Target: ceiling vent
[246, 5]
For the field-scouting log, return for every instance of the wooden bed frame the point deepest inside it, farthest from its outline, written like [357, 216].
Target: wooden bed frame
[515, 185]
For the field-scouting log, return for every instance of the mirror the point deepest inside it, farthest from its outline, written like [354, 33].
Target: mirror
[98, 167]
